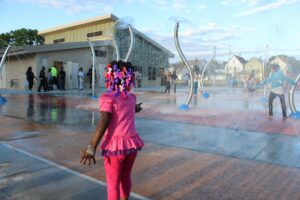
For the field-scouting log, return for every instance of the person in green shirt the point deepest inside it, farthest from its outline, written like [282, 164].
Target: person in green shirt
[54, 76]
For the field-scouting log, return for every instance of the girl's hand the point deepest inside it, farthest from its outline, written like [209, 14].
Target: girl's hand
[86, 157]
[138, 107]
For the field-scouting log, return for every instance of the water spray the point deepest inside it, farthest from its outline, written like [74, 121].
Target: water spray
[116, 45]
[295, 114]
[264, 98]
[204, 93]
[185, 106]
[2, 99]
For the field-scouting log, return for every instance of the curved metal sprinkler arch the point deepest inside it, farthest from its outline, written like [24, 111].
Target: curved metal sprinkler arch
[117, 48]
[263, 78]
[185, 106]
[130, 47]
[115, 42]
[2, 99]
[204, 93]
[131, 43]
[93, 70]
[295, 114]
[4, 57]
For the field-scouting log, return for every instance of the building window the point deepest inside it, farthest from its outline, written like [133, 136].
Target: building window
[139, 69]
[100, 53]
[61, 40]
[151, 73]
[94, 34]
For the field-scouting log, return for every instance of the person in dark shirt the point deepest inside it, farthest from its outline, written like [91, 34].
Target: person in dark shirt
[173, 81]
[62, 78]
[90, 76]
[30, 76]
[43, 80]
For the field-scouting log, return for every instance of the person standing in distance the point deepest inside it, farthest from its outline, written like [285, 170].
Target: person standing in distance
[62, 78]
[276, 80]
[43, 80]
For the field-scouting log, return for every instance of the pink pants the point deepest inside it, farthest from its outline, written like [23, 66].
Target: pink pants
[118, 170]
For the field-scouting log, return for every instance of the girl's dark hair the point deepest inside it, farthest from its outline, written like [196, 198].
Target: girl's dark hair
[119, 77]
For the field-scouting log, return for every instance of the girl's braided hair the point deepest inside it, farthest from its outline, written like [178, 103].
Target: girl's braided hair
[119, 77]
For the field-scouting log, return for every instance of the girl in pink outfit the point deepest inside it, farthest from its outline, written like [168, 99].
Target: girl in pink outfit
[116, 130]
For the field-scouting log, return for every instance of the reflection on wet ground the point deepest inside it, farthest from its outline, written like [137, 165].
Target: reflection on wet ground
[62, 107]
[63, 110]
[48, 109]
[208, 150]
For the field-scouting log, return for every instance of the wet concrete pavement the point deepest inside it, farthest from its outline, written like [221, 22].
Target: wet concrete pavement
[26, 177]
[231, 151]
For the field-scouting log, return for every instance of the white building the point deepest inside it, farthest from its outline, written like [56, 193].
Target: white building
[235, 65]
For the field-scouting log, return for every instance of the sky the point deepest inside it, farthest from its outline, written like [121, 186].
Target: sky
[241, 27]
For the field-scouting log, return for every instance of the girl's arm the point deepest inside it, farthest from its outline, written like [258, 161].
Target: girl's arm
[88, 154]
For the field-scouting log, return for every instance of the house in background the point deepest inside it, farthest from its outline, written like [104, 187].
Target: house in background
[281, 60]
[234, 65]
[66, 46]
[256, 65]
[288, 65]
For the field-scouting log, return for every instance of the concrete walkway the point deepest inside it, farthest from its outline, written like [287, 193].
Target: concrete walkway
[222, 148]
[26, 176]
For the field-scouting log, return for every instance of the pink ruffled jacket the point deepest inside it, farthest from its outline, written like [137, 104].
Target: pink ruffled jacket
[121, 134]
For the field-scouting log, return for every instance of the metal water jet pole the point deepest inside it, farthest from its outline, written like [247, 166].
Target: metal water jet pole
[131, 32]
[115, 43]
[93, 70]
[295, 114]
[2, 99]
[131, 42]
[204, 93]
[185, 106]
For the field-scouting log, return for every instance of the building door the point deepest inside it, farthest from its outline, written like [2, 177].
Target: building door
[68, 68]
[71, 70]
[74, 76]
[58, 64]
[3, 77]
[100, 75]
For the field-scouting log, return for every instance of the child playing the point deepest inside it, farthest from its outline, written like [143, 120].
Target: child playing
[116, 130]
[276, 79]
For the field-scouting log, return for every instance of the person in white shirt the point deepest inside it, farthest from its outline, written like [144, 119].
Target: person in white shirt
[81, 78]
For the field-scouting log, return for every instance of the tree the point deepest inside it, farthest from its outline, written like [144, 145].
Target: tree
[21, 37]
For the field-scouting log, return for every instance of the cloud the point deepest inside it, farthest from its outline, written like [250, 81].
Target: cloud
[225, 2]
[260, 6]
[197, 40]
[74, 6]
[253, 2]
[176, 5]
[133, 1]
[200, 6]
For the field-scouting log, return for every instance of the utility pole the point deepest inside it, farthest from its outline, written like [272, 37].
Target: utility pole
[264, 70]
[229, 52]
[214, 53]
